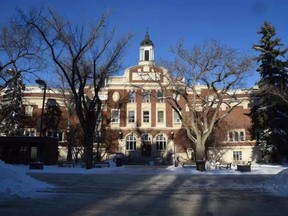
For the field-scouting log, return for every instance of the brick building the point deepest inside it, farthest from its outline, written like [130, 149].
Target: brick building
[145, 126]
[151, 130]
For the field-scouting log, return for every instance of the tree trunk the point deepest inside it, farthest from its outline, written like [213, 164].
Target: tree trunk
[89, 149]
[69, 154]
[200, 151]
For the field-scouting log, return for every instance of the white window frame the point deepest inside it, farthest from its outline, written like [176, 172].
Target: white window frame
[114, 118]
[130, 143]
[237, 155]
[29, 110]
[176, 117]
[134, 117]
[146, 97]
[144, 116]
[161, 142]
[29, 132]
[236, 135]
[160, 97]
[56, 134]
[160, 118]
[131, 97]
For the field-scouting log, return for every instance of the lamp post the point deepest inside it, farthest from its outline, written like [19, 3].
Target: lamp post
[44, 85]
[172, 138]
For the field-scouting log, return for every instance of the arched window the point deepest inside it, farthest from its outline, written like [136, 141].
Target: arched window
[130, 143]
[161, 142]
[145, 137]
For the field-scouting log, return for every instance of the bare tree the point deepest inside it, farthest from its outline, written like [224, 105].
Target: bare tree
[19, 50]
[207, 79]
[85, 57]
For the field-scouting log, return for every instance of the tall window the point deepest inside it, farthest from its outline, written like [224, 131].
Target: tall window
[28, 110]
[237, 155]
[131, 116]
[160, 97]
[160, 116]
[176, 117]
[29, 132]
[236, 136]
[146, 55]
[161, 142]
[115, 116]
[146, 97]
[56, 134]
[130, 143]
[146, 116]
[131, 97]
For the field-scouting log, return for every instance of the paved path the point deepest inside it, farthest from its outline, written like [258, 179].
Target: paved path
[130, 194]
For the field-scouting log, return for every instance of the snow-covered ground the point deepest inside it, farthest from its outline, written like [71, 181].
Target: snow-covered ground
[14, 180]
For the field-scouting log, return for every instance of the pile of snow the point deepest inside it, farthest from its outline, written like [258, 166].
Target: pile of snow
[15, 183]
[278, 183]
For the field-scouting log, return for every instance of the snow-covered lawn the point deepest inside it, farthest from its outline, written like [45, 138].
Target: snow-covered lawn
[14, 180]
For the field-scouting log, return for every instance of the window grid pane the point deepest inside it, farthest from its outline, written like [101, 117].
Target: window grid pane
[236, 136]
[131, 97]
[146, 117]
[161, 143]
[160, 116]
[115, 116]
[160, 97]
[176, 117]
[237, 155]
[130, 143]
[131, 116]
[146, 97]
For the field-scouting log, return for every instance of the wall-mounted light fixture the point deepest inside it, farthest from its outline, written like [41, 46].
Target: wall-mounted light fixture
[171, 135]
[120, 134]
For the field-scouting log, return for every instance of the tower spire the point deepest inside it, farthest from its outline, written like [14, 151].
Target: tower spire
[146, 50]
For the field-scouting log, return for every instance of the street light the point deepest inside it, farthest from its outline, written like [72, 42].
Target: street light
[172, 138]
[44, 85]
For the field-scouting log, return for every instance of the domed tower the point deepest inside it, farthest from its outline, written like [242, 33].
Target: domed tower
[146, 56]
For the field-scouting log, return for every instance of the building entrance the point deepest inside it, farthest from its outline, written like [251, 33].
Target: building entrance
[146, 148]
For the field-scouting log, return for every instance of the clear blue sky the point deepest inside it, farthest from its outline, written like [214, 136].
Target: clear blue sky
[232, 22]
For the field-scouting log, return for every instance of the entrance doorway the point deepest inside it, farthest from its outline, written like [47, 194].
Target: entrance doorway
[146, 148]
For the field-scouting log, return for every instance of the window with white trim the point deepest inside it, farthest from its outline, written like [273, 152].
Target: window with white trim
[236, 135]
[161, 142]
[160, 116]
[130, 143]
[146, 116]
[56, 134]
[160, 97]
[131, 97]
[237, 155]
[29, 132]
[28, 110]
[131, 116]
[176, 117]
[115, 116]
[146, 97]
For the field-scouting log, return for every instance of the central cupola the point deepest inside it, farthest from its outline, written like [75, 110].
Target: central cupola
[146, 56]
